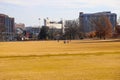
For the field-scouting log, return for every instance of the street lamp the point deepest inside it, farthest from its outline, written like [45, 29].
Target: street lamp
[39, 23]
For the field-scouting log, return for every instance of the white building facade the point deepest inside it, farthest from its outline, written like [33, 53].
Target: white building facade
[54, 24]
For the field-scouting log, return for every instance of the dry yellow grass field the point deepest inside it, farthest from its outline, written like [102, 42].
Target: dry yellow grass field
[52, 60]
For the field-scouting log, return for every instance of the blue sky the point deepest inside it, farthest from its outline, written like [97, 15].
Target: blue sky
[28, 11]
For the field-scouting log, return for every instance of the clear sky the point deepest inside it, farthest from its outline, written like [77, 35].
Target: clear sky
[28, 11]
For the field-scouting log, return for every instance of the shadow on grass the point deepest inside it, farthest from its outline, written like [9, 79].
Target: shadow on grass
[59, 55]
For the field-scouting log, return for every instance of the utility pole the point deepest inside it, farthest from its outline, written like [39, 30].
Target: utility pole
[62, 26]
[39, 24]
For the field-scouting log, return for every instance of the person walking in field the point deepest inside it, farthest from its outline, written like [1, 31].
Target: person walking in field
[64, 41]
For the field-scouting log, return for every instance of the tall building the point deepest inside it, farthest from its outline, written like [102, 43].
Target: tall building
[7, 23]
[85, 18]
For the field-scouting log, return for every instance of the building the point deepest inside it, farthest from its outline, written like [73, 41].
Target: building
[20, 25]
[19, 28]
[85, 18]
[54, 24]
[119, 21]
[32, 32]
[7, 23]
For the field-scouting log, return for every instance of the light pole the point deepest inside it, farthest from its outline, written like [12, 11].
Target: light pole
[39, 24]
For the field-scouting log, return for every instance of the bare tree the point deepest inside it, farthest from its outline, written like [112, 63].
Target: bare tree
[72, 29]
[117, 31]
[91, 34]
[103, 26]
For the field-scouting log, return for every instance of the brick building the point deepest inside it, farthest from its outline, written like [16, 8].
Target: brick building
[7, 24]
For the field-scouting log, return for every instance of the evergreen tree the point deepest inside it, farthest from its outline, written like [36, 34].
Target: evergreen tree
[43, 33]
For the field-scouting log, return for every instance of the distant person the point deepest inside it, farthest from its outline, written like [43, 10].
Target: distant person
[64, 41]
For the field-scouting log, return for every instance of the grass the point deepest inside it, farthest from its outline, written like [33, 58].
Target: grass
[50, 60]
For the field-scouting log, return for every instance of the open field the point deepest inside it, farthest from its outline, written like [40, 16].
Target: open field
[52, 60]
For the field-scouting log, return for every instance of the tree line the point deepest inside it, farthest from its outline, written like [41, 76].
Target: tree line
[102, 29]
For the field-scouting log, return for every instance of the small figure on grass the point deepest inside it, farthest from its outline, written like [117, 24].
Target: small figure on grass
[64, 41]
